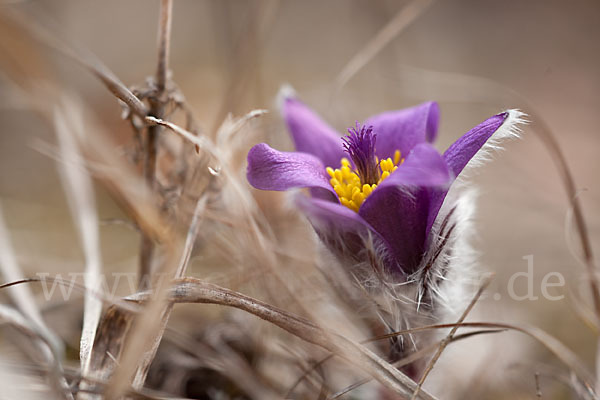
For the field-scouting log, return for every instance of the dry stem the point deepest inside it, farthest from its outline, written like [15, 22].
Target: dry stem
[157, 110]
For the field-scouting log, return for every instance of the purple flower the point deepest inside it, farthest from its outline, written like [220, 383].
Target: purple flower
[384, 178]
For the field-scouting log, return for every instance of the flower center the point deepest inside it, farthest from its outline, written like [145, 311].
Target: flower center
[353, 186]
[360, 146]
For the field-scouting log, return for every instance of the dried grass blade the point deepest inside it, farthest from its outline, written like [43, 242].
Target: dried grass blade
[407, 15]
[230, 127]
[200, 141]
[80, 195]
[191, 236]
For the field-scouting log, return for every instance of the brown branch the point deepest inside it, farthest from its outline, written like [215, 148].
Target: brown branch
[164, 35]
[157, 109]
[116, 87]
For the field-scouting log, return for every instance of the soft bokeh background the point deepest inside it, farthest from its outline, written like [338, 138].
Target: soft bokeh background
[472, 56]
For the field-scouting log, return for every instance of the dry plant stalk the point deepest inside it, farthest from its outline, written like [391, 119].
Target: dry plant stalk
[156, 110]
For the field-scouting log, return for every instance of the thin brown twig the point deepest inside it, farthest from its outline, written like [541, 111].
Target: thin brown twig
[199, 141]
[157, 108]
[164, 44]
[115, 86]
[448, 338]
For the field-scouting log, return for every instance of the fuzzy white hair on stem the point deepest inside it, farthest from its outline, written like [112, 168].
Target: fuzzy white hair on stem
[447, 276]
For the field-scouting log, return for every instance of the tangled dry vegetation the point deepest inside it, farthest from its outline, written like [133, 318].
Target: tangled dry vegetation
[275, 315]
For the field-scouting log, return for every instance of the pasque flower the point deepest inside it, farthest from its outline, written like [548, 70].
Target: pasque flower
[384, 178]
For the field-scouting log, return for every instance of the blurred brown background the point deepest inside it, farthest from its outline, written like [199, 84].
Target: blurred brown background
[470, 55]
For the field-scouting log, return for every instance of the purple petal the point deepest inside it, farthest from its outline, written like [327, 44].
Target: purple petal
[424, 166]
[311, 134]
[462, 151]
[340, 228]
[404, 129]
[269, 169]
[400, 208]
[335, 215]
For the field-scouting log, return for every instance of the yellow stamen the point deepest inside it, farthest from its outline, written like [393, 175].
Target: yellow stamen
[346, 182]
[396, 157]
